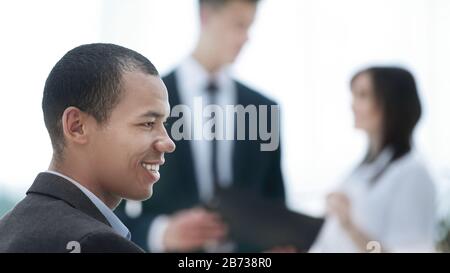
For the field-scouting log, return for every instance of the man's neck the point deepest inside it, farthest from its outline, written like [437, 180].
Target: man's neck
[207, 59]
[109, 200]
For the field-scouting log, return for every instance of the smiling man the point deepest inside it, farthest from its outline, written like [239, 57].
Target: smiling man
[104, 108]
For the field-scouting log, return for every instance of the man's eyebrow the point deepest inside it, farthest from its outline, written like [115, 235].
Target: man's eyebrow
[152, 114]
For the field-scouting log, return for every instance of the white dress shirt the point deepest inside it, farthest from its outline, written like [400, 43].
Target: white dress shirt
[192, 81]
[398, 210]
[115, 222]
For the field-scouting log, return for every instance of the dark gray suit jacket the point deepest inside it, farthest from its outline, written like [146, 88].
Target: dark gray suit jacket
[56, 216]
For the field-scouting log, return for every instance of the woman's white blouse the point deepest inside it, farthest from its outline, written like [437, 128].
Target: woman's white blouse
[398, 210]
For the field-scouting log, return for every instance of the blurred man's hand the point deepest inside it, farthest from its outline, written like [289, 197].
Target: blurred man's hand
[282, 249]
[193, 229]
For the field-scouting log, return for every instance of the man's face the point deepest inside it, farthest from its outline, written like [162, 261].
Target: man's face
[227, 28]
[128, 149]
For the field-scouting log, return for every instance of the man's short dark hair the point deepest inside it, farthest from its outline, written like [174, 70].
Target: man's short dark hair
[88, 77]
[221, 3]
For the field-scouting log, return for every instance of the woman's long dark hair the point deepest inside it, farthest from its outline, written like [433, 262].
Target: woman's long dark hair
[396, 93]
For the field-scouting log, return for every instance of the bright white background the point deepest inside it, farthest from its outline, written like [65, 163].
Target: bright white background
[301, 53]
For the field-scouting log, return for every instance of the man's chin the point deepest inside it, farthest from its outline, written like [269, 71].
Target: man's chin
[140, 196]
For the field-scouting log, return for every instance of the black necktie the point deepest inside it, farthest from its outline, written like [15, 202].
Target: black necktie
[213, 89]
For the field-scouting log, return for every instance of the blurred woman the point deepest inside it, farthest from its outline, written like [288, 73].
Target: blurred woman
[388, 202]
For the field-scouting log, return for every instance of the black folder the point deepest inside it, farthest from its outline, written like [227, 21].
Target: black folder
[264, 223]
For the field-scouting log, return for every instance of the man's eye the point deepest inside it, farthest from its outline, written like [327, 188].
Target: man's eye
[149, 124]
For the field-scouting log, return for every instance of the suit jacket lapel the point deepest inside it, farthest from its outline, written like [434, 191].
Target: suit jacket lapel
[60, 188]
[183, 154]
[240, 146]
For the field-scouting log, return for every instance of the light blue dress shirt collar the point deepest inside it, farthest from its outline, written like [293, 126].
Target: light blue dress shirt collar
[115, 222]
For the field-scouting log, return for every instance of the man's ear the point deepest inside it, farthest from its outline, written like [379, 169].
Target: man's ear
[74, 125]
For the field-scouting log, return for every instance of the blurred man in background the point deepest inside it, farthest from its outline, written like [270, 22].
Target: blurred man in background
[174, 220]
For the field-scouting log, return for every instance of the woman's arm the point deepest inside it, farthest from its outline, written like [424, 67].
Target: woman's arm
[338, 204]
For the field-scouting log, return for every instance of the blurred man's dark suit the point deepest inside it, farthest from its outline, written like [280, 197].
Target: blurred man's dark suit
[54, 213]
[259, 171]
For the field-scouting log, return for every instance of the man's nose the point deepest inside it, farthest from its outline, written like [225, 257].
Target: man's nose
[165, 145]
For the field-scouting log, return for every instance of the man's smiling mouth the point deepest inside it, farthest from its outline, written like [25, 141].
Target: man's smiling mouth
[154, 168]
